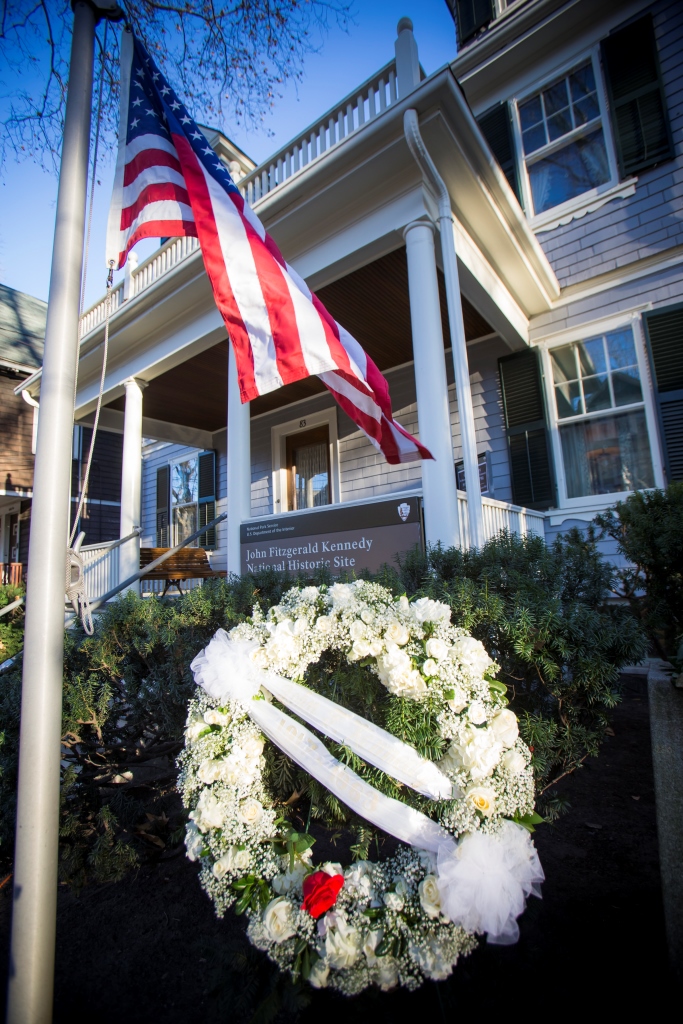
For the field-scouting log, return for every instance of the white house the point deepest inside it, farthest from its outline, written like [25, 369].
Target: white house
[554, 144]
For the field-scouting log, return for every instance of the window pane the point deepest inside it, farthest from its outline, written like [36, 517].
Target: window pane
[582, 82]
[559, 125]
[596, 393]
[184, 482]
[626, 385]
[585, 110]
[592, 357]
[622, 350]
[574, 169]
[564, 364]
[607, 455]
[568, 398]
[311, 481]
[530, 113]
[185, 523]
[534, 138]
[555, 98]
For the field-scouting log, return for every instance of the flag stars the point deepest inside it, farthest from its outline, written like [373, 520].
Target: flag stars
[137, 102]
[196, 135]
[140, 73]
[185, 120]
[135, 122]
[175, 105]
[165, 91]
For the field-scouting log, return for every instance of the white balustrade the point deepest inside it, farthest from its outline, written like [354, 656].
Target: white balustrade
[101, 569]
[355, 110]
[501, 515]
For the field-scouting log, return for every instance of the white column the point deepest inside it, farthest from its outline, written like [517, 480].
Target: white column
[239, 465]
[131, 480]
[438, 477]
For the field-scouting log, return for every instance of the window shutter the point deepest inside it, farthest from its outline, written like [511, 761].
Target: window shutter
[496, 127]
[665, 338]
[470, 16]
[637, 100]
[527, 433]
[207, 497]
[163, 495]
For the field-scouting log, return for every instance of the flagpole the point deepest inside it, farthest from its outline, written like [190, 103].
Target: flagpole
[31, 974]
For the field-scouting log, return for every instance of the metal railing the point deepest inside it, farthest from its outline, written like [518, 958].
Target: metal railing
[360, 107]
[501, 515]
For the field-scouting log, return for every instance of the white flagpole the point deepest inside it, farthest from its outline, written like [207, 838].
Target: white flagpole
[35, 864]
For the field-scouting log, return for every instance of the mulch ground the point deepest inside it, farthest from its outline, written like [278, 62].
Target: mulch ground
[150, 949]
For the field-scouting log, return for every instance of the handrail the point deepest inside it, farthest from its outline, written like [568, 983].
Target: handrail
[10, 607]
[109, 545]
[157, 561]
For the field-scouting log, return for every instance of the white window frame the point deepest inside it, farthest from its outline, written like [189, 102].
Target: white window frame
[279, 435]
[571, 206]
[191, 453]
[597, 502]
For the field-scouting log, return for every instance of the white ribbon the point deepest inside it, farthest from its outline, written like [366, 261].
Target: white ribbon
[483, 880]
[226, 669]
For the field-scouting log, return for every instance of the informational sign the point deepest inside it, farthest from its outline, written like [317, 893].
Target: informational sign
[341, 539]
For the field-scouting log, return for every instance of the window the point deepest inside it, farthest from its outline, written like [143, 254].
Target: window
[484, 474]
[563, 139]
[602, 454]
[184, 494]
[308, 468]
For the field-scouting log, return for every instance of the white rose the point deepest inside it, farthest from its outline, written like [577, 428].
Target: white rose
[430, 900]
[319, 974]
[514, 762]
[403, 604]
[194, 844]
[357, 630]
[342, 944]
[376, 648]
[209, 771]
[458, 701]
[253, 746]
[387, 973]
[232, 860]
[301, 626]
[393, 901]
[250, 811]
[400, 885]
[396, 633]
[341, 594]
[483, 798]
[196, 727]
[477, 712]
[309, 593]
[323, 624]
[216, 717]
[426, 610]
[367, 616]
[277, 920]
[232, 772]
[360, 649]
[209, 812]
[259, 657]
[471, 655]
[332, 868]
[505, 727]
[436, 649]
[372, 941]
[430, 667]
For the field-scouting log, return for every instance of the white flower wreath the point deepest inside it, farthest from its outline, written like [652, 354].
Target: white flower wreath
[398, 920]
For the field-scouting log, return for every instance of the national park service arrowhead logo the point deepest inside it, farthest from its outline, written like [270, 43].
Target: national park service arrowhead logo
[403, 510]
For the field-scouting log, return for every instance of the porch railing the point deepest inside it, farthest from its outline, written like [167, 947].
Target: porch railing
[501, 515]
[101, 563]
[11, 574]
[361, 106]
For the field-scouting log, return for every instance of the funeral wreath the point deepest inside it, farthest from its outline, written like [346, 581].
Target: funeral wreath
[419, 745]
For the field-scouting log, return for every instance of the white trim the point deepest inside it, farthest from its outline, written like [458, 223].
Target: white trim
[590, 505]
[578, 205]
[599, 325]
[278, 436]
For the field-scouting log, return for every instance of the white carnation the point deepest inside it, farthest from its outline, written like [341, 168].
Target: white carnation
[471, 655]
[514, 762]
[342, 944]
[210, 771]
[319, 974]
[194, 843]
[426, 610]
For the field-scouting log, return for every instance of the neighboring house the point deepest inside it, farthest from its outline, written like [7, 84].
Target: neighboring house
[558, 131]
[22, 333]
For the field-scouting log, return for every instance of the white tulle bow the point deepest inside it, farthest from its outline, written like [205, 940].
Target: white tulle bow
[483, 879]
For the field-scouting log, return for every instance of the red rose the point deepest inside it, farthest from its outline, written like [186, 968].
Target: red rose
[320, 892]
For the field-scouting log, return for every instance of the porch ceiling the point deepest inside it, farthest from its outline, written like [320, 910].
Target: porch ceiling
[371, 302]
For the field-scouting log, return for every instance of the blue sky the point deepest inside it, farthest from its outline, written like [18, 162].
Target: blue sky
[344, 61]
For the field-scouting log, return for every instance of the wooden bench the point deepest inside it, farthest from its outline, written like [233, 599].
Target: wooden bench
[186, 564]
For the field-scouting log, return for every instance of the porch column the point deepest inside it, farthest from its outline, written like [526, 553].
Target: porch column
[239, 464]
[131, 480]
[438, 477]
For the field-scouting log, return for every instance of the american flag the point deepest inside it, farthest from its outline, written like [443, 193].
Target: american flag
[170, 182]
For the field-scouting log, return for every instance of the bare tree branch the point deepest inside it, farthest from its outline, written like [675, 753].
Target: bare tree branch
[228, 60]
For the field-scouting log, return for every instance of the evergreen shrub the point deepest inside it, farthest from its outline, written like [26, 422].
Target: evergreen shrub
[648, 529]
[11, 624]
[538, 610]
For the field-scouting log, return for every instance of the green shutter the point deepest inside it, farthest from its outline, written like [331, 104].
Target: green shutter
[664, 331]
[496, 127]
[470, 16]
[163, 495]
[207, 497]
[526, 429]
[636, 95]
